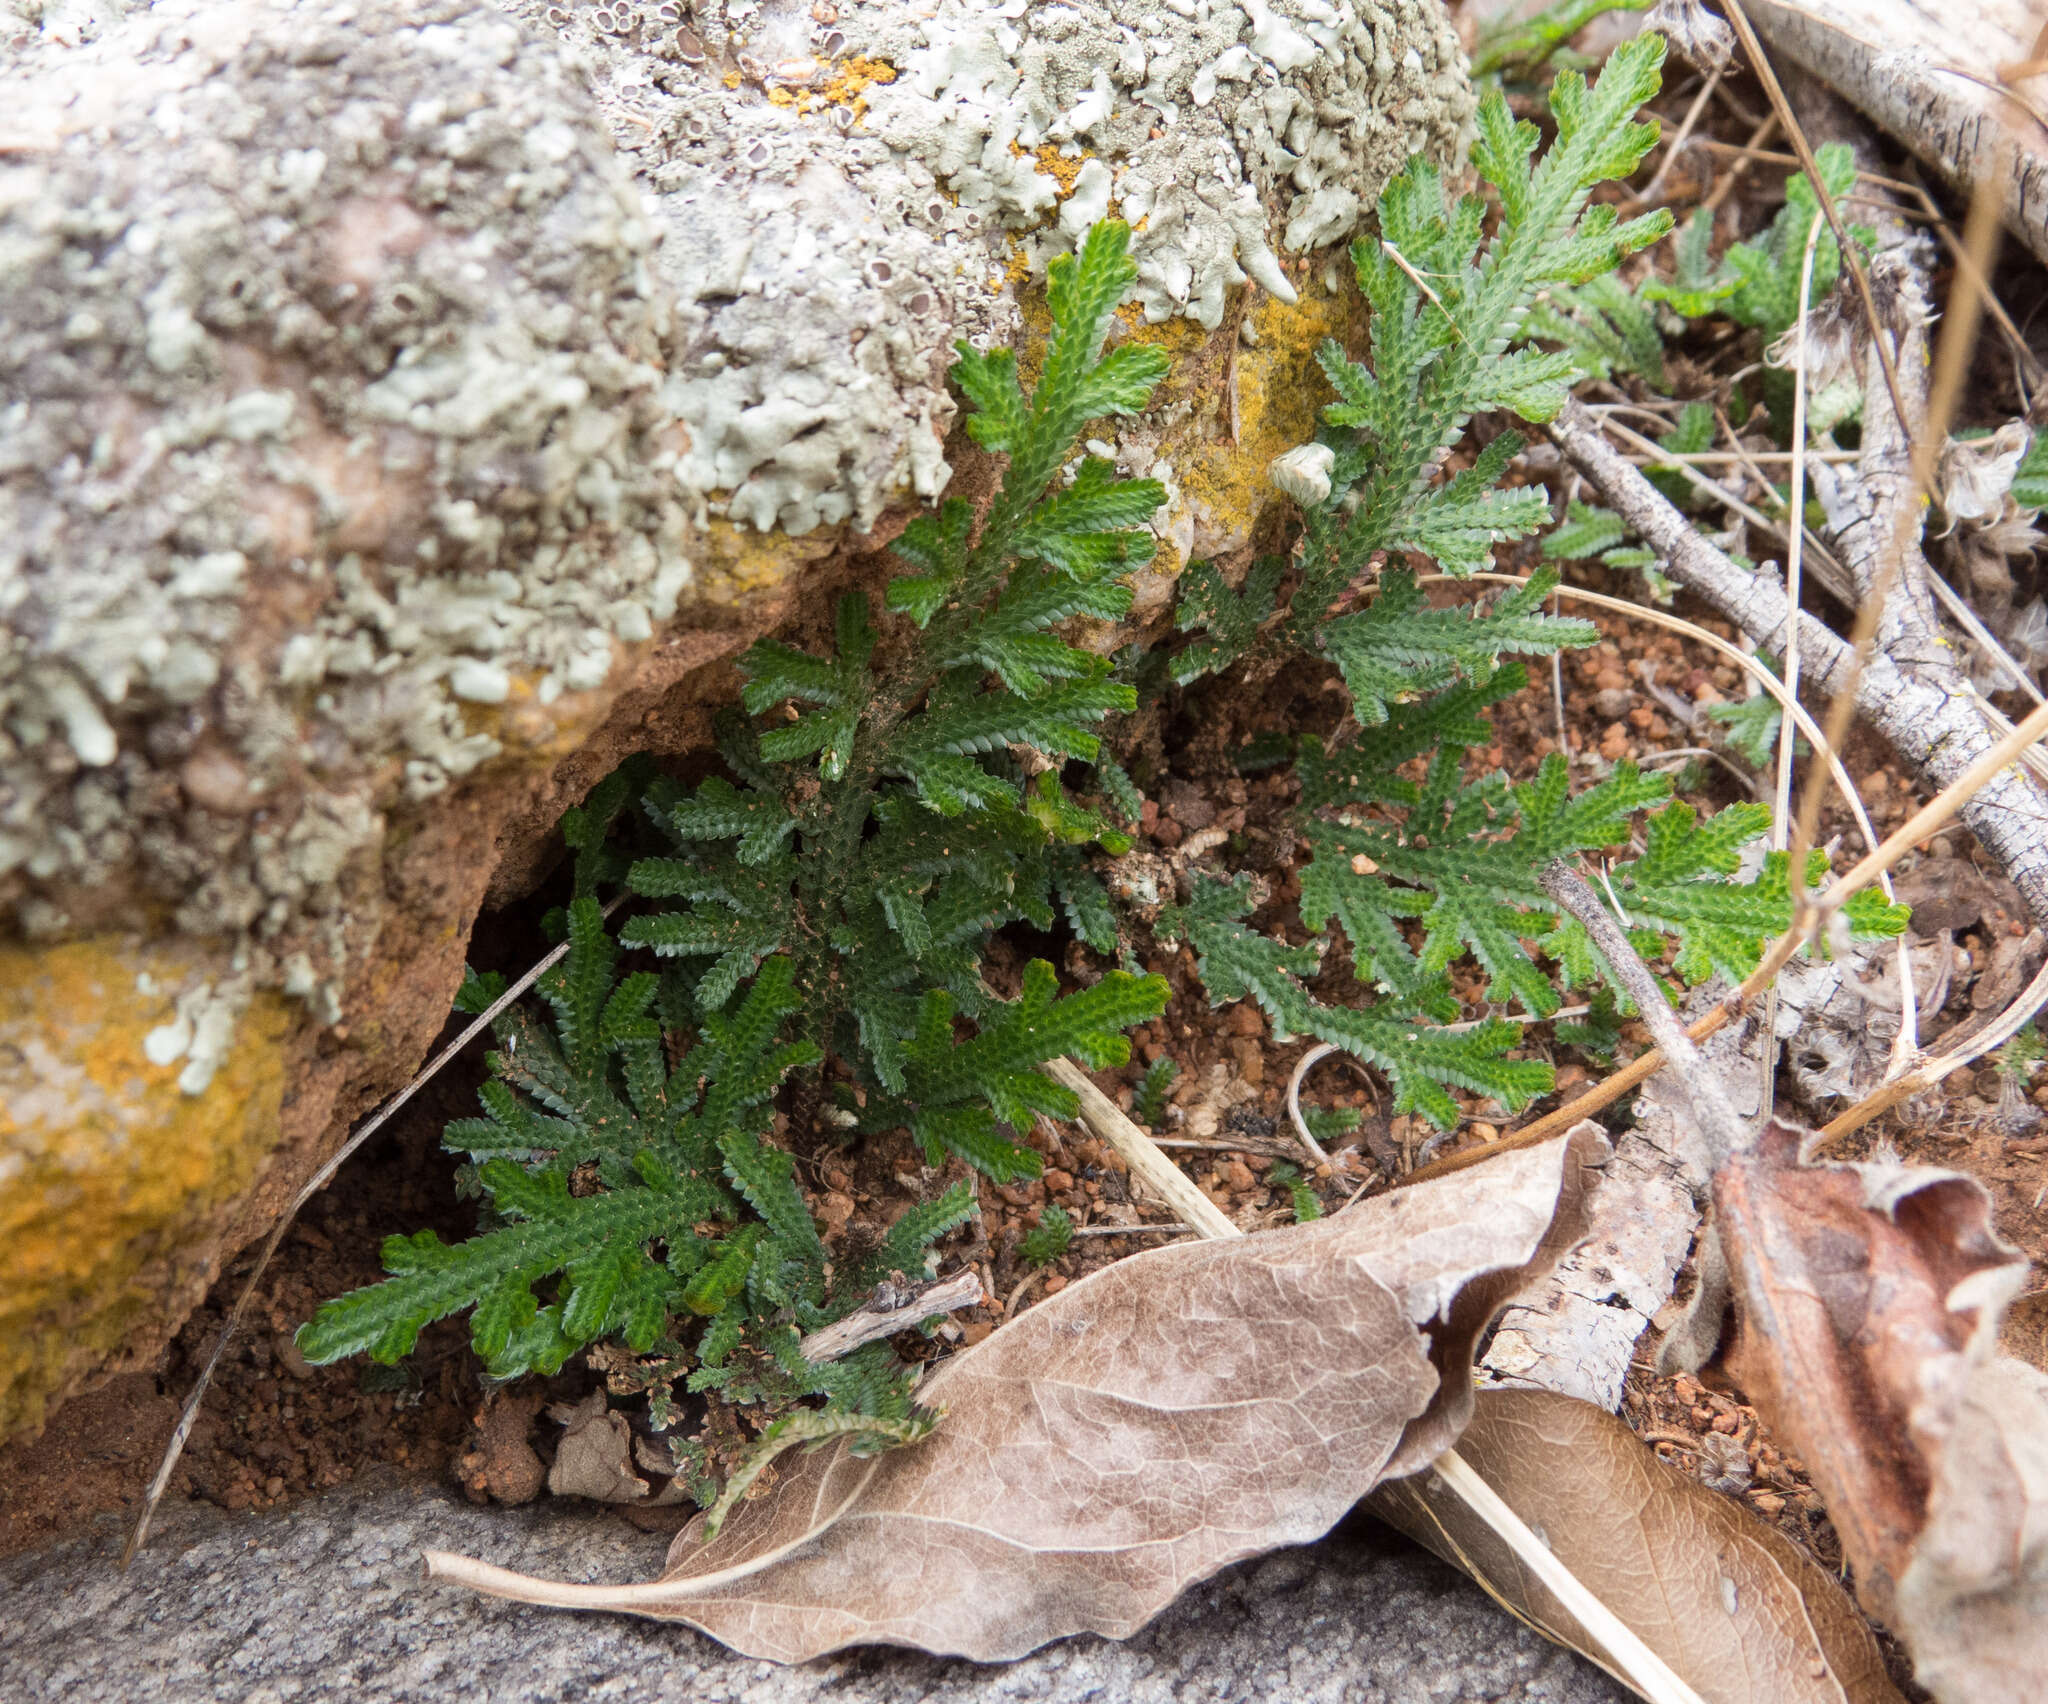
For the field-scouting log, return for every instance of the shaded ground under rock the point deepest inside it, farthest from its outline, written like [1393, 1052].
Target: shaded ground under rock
[325, 1601]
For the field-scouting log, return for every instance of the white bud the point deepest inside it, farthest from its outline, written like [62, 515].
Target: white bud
[1304, 473]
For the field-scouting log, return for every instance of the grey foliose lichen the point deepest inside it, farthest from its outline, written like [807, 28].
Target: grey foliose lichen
[847, 186]
[332, 452]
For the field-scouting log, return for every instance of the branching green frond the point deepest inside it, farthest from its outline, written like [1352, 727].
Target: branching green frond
[1523, 44]
[495, 1273]
[1587, 532]
[1230, 618]
[1083, 899]
[1051, 1238]
[962, 722]
[1765, 280]
[957, 1092]
[1765, 274]
[1366, 769]
[1448, 321]
[1680, 890]
[612, 1109]
[600, 860]
[1697, 286]
[903, 1249]
[1149, 1108]
[1399, 648]
[1466, 862]
[1419, 1059]
[720, 811]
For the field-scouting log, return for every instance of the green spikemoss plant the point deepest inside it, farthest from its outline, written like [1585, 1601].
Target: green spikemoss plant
[889, 804]
[1417, 864]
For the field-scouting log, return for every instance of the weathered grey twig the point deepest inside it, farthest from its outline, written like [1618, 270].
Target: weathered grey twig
[1927, 714]
[1148, 1164]
[892, 1308]
[1714, 1118]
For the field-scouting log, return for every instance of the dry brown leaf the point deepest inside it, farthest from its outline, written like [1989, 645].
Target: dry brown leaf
[1867, 1302]
[1738, 1612]
[1165, 1417]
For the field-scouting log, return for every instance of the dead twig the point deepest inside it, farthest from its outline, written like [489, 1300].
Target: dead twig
[1713, 1115]
[1971, 784]
[892, 1308]
[1933, 725]
[1148, 1162]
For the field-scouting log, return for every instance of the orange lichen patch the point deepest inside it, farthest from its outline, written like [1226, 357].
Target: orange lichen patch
[851, 77]
[1063, 169]
[1177, 336]
[112, 1181]
[735, 562]
[846, 86]
[1279, 391]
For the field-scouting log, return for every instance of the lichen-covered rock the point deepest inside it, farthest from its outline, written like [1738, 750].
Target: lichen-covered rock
[333, 471]
[846, 187]
[405, 408]
[102, 1151]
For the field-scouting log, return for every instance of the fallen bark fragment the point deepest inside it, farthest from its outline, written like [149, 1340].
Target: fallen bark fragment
[1577, 1330]
[1167, 1416]
[1735, 1609]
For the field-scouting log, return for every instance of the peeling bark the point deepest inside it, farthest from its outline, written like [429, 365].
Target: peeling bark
[1924, 80]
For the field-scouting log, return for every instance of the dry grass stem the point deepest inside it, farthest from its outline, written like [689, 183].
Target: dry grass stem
[1929, 1072]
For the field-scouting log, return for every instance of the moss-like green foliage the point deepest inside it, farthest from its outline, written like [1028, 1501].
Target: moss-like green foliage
[1421, 874]
[1289, 1178]
[1050, 1238]
[831, 894]
[1149, 1105]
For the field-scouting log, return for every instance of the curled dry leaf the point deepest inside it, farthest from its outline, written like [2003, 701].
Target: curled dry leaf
[1973, 1603]
[594, 1458]
[1165, 1417]
[1867, 1303]
[1738, 1612]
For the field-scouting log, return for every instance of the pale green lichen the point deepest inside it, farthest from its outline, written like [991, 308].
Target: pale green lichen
[844, 191]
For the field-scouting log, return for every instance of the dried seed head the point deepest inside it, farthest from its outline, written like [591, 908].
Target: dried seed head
[1976, 474]
[1830, 343]
[1703, 38]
